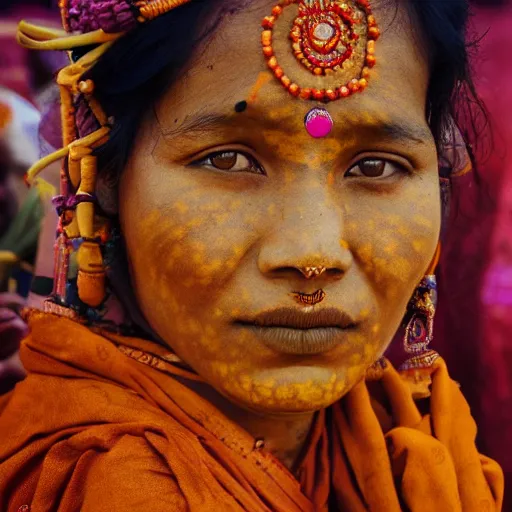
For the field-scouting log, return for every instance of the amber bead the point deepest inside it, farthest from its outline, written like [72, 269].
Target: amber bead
[278, 72]
[286, 81]
[318, 94]
[363, 83]
[370, 47]
[374, 33]
[331, 95]
[268, 51]
[318, 71]
[353, 85]
[305, 93]
[272, 63]
[366, 72]
[294, 89]
[277, 10]
[344, 91]
[371, 60]
[372, 22]
[268, 22]
[266, 37]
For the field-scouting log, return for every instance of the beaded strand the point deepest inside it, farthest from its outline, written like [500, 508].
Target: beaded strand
[306, 93]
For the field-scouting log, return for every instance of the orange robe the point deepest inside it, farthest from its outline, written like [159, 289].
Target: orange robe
[101, 424]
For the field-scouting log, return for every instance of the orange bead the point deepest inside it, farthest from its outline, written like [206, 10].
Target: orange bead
[286, 81]
[371, 60]
[272, 63]
[268, 51]
[295, 34]
[86, 86]
[277, 10]
[268, 22]
[318, 94]
[363, 84]
[318, 71]
[305, 93]
[294, 89]
[344, 91]
[353, 85]
[266, 37]
[372, 22]
[278, 71]
[370, 47]
[366, 72]
[330, 94]
[373, 33]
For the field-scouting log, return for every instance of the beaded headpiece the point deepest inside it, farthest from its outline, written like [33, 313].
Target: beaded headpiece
[82, 233]
[330, 38]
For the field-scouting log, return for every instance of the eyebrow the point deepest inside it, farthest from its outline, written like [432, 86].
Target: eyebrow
[397, 130]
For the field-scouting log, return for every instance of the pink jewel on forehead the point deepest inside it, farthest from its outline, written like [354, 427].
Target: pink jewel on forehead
[318, 122]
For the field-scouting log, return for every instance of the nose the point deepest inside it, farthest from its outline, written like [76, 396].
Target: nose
[307, 246]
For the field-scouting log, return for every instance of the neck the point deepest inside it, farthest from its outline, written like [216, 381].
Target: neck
[284, 435]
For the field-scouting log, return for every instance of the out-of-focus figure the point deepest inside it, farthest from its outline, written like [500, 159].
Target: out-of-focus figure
[24, 94]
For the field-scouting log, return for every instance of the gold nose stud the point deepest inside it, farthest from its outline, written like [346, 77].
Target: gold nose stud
[310, 272]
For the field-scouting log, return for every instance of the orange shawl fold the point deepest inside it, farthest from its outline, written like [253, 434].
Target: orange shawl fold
[101, 423]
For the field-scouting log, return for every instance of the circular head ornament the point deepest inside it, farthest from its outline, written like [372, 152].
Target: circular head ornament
[329, 38]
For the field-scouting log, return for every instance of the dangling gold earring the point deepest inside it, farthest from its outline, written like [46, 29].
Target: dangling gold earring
[420, 323]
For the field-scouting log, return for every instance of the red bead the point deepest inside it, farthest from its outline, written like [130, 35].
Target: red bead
[371, 60]
[344, 91]
[331, 95]
[354, 85]
[318, 94]
[373, 33]
[294, 89]
[268, 22]
[305, 93]
[277, 10]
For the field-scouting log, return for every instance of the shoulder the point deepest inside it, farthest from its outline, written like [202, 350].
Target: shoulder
[130, 477]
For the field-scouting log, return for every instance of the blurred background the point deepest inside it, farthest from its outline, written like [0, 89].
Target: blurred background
[474, 320]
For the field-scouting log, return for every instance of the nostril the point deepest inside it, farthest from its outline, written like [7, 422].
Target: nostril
[334, 273]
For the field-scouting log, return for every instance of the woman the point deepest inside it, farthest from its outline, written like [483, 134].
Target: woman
[278, 204]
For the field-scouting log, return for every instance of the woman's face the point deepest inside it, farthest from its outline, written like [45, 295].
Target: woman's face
[223, 210]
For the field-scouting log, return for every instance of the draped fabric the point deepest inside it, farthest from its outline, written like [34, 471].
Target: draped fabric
[104, 422]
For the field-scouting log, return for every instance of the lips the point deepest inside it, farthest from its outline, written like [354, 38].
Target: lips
[294, 331]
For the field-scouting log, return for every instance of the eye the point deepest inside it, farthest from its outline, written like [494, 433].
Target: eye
[231, 161]
[375, 168]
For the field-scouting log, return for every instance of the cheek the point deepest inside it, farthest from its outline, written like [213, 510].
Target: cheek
[184, 249]
[394, 240]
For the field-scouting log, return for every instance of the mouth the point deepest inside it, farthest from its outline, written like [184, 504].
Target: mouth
[296, 332]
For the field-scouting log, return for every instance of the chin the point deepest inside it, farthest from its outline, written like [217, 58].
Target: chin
[292, 390]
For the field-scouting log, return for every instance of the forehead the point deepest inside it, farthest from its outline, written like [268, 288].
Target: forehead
[230, 67]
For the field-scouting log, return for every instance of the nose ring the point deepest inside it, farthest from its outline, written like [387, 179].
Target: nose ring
[310, 272]
[309, 299]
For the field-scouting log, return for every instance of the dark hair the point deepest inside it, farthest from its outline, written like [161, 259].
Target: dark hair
[139, 68]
